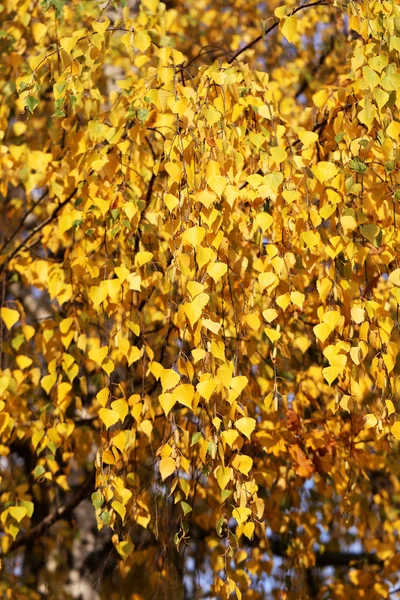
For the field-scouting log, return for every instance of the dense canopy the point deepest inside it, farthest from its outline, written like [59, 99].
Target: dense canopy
[199, 299]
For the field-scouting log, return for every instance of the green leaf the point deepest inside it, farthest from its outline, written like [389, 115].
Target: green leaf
[31, 103]
[225, 494]
[370, 232]
[97, 500]
[58, 6]
[105, 517]
[196, 437]
[358, 166]
[142, 114]
[221, 526]
[115, 213]
[38, 471]
[186, 508]
[339, 137]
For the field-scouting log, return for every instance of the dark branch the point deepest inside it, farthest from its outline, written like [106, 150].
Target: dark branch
[36, 230]
[55, 515]
[271, 28]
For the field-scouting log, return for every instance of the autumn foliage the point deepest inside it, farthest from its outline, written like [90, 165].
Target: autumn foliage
[200, 290]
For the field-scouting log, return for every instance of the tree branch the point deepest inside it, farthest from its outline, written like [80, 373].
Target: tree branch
[36, 230]
[55, 515]
[271, 28]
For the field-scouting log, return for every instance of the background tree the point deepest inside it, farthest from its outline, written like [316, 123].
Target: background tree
[199, 299]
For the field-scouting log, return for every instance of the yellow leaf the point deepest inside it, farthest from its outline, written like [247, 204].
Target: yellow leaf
[108, 366]
[151, 5]
[206, 388]
[193, 236]
[134, 281]
[246, 425]
[102, 396]
[371, 421]
[245, 464]
[330, 374]
[98, 354]
[264, 221]
[270, 314]
[211, 325]
[97, 295]
[184, 394]
[357, 314]
[394, 277]
[121, 408]
[194, 288]
[48, 381]
[324, 287]
[230, 436]
[169, 379]
[63, 390]
[217, 270]
[119, 508]
[124, 549]
[68, 43]
[283, 301]
[395, 429]
[18, 512]
[212, 115]
[206, 197]
[311, 239]
[108, 417]
[288, 27]
[9, 316]
[174, 171]
[268, 280]
[167, 467]
[142, 41]
[122, 273]
[248, 529]
[217, 183]
[141, 258]
[167, 401]
[298, 299]
[223, 475]
[307, 138]
[198, 354]
[322, 331]
[39, 30]
[217, 349]
[253, 320]
[272, 334]
[171, 202]
[241, 514]
[192, 312]
[390, 407]
[23, 362]
[281, 12]
[100, 27]
[324, 171]
[238, 384]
